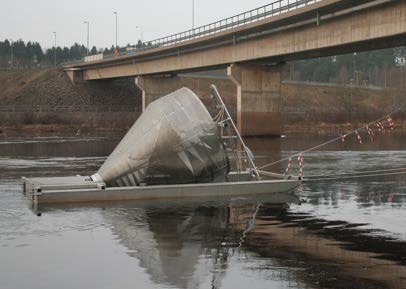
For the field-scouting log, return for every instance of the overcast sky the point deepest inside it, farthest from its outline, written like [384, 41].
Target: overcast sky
[36, 20]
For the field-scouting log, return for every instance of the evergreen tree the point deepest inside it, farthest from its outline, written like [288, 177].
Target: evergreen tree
[93, 50]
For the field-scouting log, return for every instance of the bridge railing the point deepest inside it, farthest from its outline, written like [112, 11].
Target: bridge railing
[269, 10]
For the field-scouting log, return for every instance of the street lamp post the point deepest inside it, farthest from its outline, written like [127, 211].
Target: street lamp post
[54, 48]
[115, 12]
[87, 22]
[193, 14]
[12, 55]
[142, 32]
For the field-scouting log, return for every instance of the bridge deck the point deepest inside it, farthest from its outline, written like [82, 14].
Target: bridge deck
[305, 13]
[328, 27]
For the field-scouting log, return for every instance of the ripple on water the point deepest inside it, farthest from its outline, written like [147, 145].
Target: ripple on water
[176, 245]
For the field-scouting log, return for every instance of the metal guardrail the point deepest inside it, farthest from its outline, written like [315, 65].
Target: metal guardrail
[275, 8]
[105, 108]
[269, 10]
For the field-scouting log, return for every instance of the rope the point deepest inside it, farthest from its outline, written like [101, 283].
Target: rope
[333, 140]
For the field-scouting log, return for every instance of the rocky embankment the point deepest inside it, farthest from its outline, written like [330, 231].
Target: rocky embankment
[53, 88]
[45, 101]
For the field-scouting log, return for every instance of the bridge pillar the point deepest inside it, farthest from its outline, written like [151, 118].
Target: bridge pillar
[258, 99]
[252, 93]
[154, 87]
[75, 75]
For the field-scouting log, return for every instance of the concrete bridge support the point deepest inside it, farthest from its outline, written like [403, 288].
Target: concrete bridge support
[252, 93]
[258, 99]
[153, 87]
[75, 75]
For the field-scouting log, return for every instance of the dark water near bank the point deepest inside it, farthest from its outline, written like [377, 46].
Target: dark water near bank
[350, 233]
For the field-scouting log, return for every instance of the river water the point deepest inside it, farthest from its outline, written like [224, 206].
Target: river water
[347, 233]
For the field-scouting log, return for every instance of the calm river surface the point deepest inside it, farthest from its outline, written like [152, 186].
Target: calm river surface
[350, 233]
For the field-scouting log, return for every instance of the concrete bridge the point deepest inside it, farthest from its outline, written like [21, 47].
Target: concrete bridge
[252, 47]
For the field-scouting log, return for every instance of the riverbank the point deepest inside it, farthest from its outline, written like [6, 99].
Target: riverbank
[59, 130]
[334, 129]
[53, 88]
[45, 103]
[321, 108]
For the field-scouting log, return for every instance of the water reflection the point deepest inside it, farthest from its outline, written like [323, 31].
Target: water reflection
[56, 147]
[377, 201]
[198, 244]
[349, 233]
[203, 244]
[39, 157]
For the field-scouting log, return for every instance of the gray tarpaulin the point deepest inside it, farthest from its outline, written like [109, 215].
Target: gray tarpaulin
[174, 141]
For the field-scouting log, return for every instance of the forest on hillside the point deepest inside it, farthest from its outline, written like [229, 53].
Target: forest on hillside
[380, 67]
[384, 67]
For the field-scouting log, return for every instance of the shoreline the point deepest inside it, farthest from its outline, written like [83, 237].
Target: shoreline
[49, 130]
[328, 128]
[60, 130]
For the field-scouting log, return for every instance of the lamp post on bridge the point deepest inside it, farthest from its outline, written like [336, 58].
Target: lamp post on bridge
[115, 12]
[142, 32]
[11, 53]
[54, 48]
[87, 22]
[193, 14]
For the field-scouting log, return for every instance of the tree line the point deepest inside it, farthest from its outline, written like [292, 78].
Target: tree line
[365, 68]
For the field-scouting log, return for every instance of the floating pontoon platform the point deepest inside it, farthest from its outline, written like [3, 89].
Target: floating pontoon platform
[83, 189]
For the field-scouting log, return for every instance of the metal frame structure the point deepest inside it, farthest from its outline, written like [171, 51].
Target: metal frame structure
[226, 123]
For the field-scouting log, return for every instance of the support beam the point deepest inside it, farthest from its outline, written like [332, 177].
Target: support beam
[258, 99]
[75, 75]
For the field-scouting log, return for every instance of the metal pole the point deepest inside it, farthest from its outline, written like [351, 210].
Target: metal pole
[87, 22]
[193, 14]
[55, 49]
[215, 93]
[142, 32]
[11, 56]
[116, 27]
